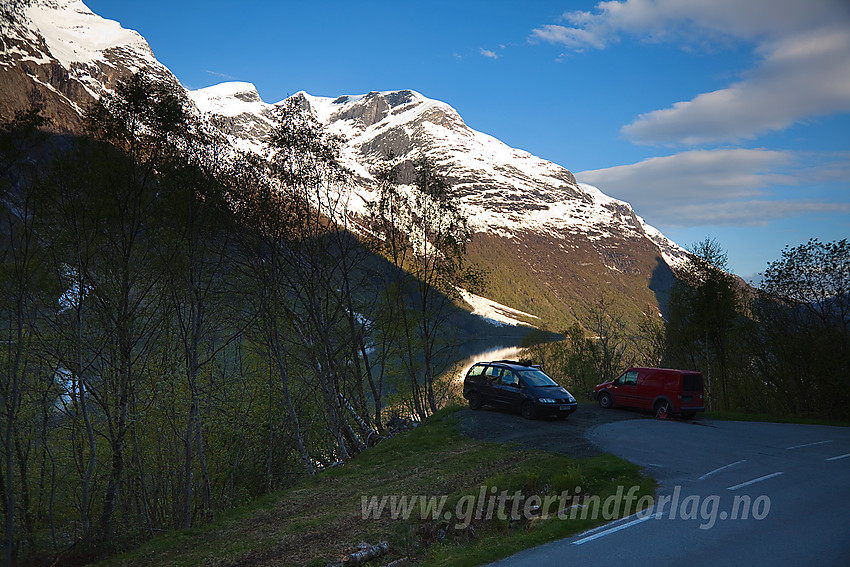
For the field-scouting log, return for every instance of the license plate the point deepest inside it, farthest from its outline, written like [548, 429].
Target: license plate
[565, 407]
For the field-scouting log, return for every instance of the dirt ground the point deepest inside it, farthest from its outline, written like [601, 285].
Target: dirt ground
[553, 435]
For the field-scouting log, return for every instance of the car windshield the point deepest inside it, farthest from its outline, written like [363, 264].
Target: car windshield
[536, 377]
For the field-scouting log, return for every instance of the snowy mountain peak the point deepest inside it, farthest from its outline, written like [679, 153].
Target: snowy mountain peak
[74, 34]
[61, 53]
[507, 192]
[229, 99]
[356, 116]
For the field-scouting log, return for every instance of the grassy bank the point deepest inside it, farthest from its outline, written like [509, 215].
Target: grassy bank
[320, 519]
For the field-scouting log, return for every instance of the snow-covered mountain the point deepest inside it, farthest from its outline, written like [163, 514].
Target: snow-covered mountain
[569, 240]
[506, 191]
[552, 244]
[60, 54]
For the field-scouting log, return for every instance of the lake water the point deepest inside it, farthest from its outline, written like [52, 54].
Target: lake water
[491, 352]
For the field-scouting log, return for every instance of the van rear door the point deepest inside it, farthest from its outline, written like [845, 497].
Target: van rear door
[692, 391]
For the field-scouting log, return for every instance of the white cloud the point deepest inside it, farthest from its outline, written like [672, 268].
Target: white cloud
[489, 53]
[800, 77]
[750, 213]
[217, 74]
[705, 187]
[803, 69]
[694, 20]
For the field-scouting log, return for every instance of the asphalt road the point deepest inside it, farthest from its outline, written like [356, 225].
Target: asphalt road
[731, 493]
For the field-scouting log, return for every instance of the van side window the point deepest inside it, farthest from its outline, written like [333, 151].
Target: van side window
[630, 377]
[510, 379]
[493, 372]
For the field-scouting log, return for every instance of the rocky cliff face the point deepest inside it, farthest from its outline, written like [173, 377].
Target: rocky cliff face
[553, 246]
[59, 54]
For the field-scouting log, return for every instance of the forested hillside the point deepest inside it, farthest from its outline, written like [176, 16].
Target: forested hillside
[186, 327]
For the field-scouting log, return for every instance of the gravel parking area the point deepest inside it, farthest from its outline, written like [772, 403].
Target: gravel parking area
[553, 435]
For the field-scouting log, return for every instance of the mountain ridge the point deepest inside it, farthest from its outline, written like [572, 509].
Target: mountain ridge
[569, 241]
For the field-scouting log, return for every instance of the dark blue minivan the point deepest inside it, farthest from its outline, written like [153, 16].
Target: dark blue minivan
[517, 386]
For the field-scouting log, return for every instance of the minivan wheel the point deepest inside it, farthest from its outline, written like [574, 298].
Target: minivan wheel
[605, 400]
[474, 401]
[663, 410]
[527, 410]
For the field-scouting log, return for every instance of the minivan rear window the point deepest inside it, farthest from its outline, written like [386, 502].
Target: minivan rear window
[692, 382]
[476, 370]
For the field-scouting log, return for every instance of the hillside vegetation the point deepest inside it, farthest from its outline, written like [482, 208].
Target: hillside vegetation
[320, 520]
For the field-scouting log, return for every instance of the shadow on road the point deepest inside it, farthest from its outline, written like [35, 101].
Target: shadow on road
[554, 435]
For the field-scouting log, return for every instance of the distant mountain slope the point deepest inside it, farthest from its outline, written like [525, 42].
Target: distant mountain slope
[552, 245]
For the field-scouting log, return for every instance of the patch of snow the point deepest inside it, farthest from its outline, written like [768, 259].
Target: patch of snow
[493, 312]
[673, 254]
[229, 99]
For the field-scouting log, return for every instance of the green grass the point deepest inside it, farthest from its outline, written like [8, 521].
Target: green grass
[319, 519]
[765, 417]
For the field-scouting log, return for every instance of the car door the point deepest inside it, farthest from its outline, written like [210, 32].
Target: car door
[624, 389]
[648, 387]
[490, 390]
[510, 389]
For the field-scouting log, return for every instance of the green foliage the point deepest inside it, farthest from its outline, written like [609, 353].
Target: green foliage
[585, 358]
[800, 342]
[581, 361]
[319, 518]
[706, 315]
[569, 480]
[783, 350]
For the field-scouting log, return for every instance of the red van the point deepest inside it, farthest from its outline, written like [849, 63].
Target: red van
[662, 390]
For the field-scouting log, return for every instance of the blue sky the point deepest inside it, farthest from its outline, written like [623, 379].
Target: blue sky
[727, 119]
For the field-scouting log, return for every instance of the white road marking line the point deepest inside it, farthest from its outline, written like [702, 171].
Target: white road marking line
[611, 524]
[607, 526]
[839, 457]
[809, 444]
[755, 480]
[616, 529]
[723, 468]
